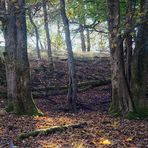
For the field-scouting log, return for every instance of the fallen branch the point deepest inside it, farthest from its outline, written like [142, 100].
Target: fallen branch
[50, 130]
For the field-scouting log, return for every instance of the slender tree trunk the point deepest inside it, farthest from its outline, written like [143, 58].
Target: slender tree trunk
[36, 34]
[128, 41]
[41, 45]
[58, 34]
[83, 46]
[50, 58]
[88, 40]
[17, 64]
[121, 99]
[72, 91]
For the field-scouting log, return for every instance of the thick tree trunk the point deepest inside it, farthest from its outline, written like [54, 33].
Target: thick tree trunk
[88, 40]
[17, 64]
[36, 35]
[72, 91]
[50, 58]
[121, 100]
[10, 35]
[140, 66]
[83, 46]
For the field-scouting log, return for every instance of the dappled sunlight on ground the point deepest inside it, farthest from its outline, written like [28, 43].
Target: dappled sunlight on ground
[101, 131]
[46, 122]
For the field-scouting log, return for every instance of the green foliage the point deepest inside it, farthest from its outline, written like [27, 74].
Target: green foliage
[87, 10]
[57, 39]
[31, 2]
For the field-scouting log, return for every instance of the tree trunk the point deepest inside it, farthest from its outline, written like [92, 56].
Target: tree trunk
[140, 66]
[88, 40]
[50, 58]
[83, 46]
[36, 34]
[121, 99]
[128, 41]
[17, 64]
[72, 90]
[10, 35]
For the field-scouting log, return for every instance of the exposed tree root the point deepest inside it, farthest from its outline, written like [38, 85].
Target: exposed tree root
[50, 130]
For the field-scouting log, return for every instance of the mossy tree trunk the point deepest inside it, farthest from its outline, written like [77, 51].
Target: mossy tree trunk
[140, 66]
[121, 99]
[130, 72]
[17, 64]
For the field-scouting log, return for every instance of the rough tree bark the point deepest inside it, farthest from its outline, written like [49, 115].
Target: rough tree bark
[140, 66]
[10, 54]
[17, 64]
[72, 90]
[50, 58]
[129, 99]
[36, 34]
[121, 99]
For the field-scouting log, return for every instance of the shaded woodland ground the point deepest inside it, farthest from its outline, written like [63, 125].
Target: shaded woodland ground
[49, 91]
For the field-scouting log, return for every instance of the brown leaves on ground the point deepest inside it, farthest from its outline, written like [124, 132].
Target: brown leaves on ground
[102, 130]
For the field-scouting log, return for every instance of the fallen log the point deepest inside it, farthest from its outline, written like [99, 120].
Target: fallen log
[50, 130]
[80, 85]
[62, 90]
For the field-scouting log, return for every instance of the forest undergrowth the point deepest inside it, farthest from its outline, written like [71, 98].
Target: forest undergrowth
[50, 93]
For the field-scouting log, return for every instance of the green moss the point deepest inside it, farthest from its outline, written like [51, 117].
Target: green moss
[33, 113]
[21, 111]
[142, 111]
[37, 113]
[114, 111]
[10, 107]
[132, 115]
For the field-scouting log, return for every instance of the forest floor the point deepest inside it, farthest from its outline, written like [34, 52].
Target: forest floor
[102, 130]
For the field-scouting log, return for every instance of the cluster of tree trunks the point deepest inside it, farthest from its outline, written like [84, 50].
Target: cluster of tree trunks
[17, 65]
[129, 69]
